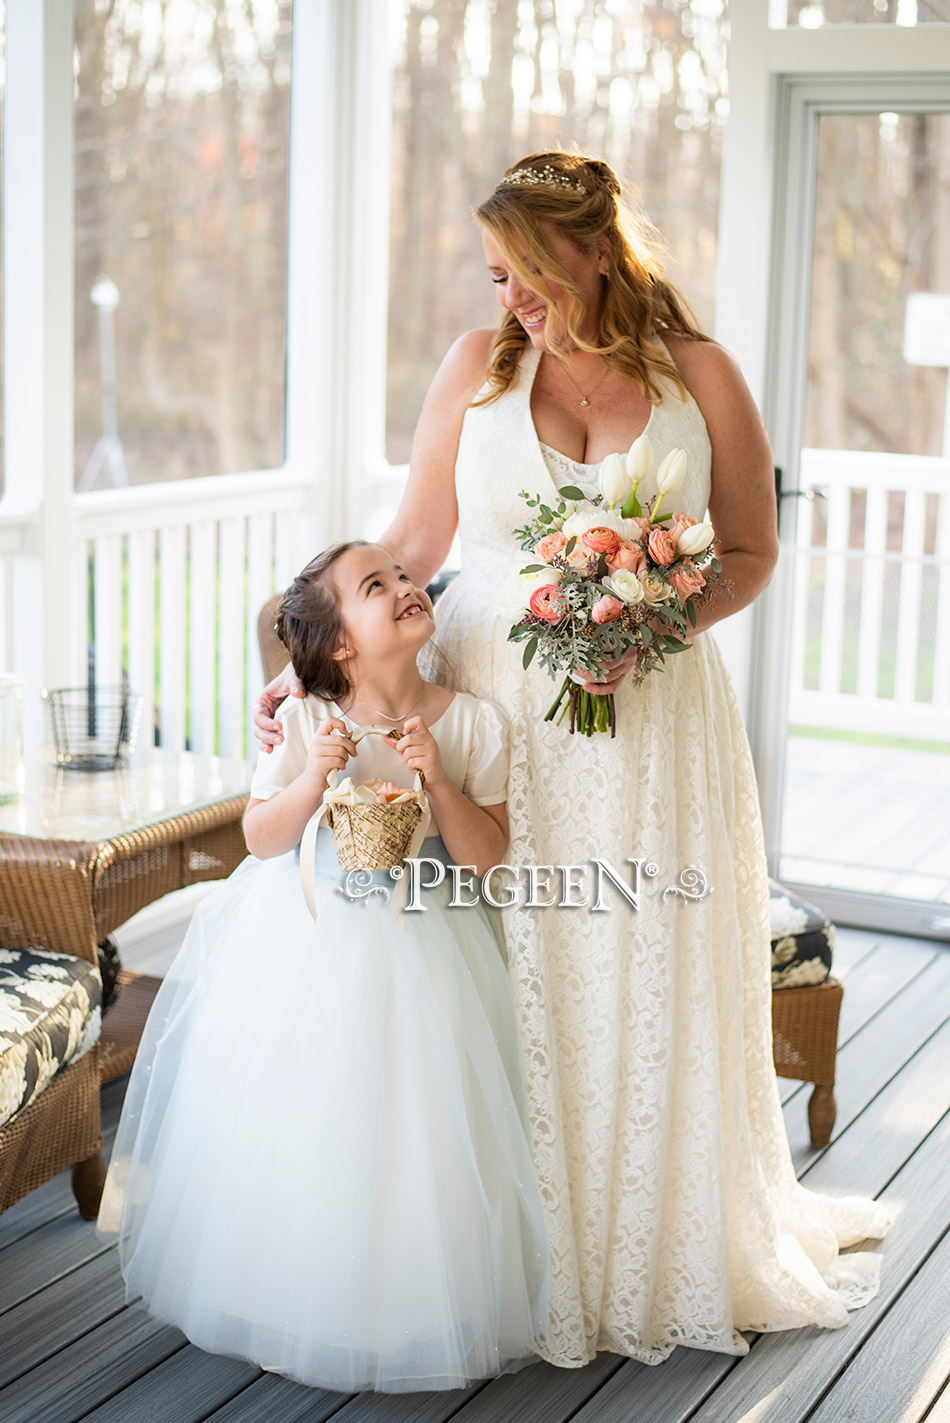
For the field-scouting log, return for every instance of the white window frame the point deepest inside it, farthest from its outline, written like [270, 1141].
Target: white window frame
[766, 58]
[337, 287]
[781, 80]
[42, 602]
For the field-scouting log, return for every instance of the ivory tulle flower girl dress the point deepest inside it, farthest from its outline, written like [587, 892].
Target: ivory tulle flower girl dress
[322, 1163]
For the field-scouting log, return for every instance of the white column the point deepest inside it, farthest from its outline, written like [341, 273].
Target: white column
[744, 258]
[312, 362]
[338, 251]
[38, 333]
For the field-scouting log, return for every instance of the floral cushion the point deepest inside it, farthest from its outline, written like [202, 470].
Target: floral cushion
[802, 940]
[50, 1014]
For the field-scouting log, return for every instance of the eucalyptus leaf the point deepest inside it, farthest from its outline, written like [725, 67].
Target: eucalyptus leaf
[530, 649]
[571, 491]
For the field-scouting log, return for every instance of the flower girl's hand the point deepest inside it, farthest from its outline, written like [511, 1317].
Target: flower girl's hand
[328, 751]
[420, 751]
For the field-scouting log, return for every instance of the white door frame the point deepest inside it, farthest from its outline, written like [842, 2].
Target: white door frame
[765, 59]
[802, 102]
[781, 81]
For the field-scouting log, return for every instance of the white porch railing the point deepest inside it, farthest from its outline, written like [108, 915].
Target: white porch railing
[169, 580]
[871, 618]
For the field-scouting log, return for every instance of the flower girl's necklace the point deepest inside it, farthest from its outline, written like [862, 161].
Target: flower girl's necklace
[401, 717]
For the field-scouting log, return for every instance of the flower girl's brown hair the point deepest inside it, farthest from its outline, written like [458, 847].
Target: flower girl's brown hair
[580, 198]
[310, 625]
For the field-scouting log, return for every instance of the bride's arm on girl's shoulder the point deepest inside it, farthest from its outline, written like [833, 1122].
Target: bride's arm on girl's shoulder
[275, 825]
[742, 496]
[421, 534]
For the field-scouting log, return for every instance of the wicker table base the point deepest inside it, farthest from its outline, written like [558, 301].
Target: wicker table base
[123, 1022]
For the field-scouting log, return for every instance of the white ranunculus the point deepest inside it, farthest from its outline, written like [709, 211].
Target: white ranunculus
[615, 483]
[513, 595]
[625, 585]
[670, 474]
[593, 518]
[639, 459]
[654, 588]
[694, 539]
[628, 529]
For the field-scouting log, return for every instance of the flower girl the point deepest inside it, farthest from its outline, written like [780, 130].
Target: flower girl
[322, 1163]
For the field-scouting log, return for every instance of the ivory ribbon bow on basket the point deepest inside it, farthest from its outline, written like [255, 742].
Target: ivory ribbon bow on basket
[384, 826]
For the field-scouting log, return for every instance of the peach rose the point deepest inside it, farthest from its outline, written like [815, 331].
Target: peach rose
[687, 580]
[601, 540]
[606, 610]
[551, 544]
[629, 556]
[681, 522]
[661, 546]
[579, 557]
[643, 525]
[548, 602]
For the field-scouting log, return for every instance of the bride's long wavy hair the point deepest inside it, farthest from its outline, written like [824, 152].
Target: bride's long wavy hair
[637, 301]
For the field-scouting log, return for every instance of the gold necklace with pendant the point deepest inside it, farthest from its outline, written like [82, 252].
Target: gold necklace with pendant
[585, 399]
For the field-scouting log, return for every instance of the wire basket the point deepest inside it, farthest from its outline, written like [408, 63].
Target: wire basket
[93, 729]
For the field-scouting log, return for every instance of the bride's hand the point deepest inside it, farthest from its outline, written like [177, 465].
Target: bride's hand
[267, 731]
[618, 667]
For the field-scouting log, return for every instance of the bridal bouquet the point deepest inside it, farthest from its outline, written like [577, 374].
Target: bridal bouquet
[610, 576]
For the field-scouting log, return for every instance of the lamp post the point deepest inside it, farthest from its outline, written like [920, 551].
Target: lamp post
[108, 448]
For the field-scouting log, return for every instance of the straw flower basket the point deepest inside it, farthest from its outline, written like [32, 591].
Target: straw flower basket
[375, 835]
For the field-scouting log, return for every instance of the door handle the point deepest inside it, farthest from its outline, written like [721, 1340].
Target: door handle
[812, 492]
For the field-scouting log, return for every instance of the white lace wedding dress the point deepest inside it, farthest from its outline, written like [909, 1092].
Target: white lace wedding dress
[673, 1212]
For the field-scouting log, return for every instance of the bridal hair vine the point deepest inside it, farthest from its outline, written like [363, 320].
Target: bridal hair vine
[547, 176]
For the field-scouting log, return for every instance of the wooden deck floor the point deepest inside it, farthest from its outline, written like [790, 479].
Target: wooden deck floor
[71, 1349]
[867, 818]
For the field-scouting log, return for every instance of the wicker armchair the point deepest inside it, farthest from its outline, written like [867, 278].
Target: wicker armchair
[274, 655]
[57, 1124]
[806, 1004]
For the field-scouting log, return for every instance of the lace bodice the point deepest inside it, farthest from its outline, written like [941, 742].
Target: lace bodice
[567, 471]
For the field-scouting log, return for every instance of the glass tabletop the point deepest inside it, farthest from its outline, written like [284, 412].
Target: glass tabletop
[99, 805]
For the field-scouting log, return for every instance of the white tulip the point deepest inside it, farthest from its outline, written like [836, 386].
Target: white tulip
[615, 483]
[694, 539]
[670, 474]
[639, 459]
[625, 585]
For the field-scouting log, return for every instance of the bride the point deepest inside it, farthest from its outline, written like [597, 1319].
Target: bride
[673, 1211]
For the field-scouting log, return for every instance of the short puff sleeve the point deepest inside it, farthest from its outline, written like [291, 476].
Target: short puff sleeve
[486, 776]
[299, 717]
